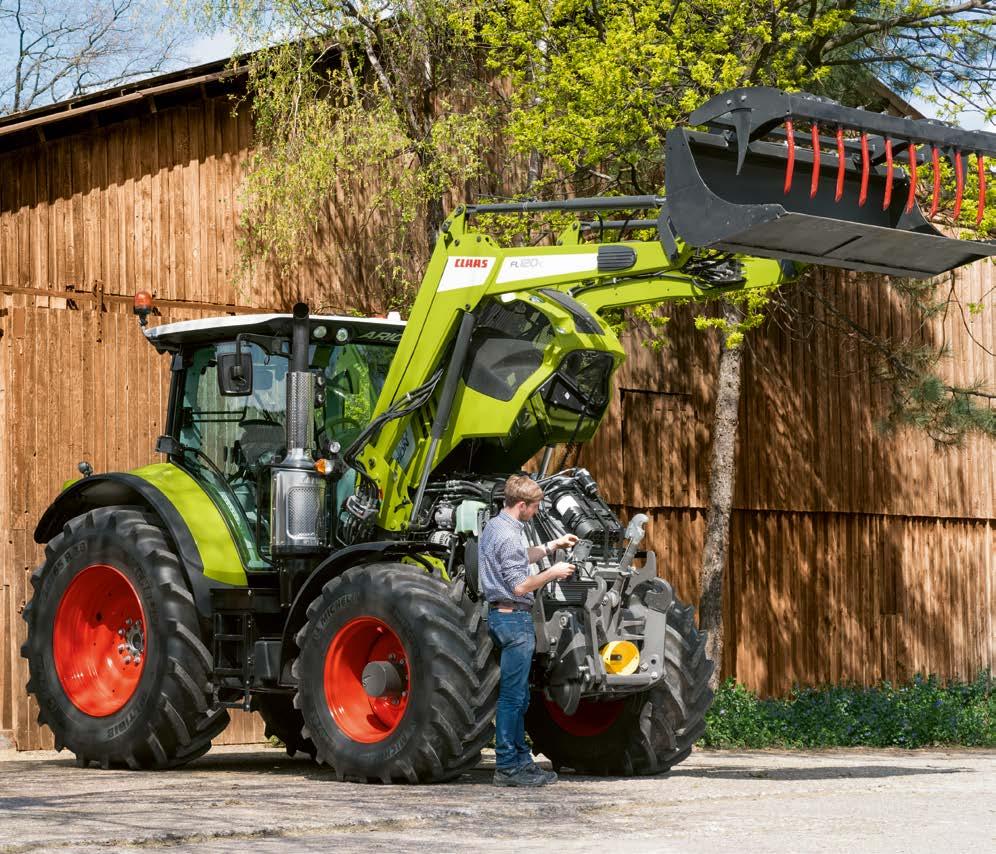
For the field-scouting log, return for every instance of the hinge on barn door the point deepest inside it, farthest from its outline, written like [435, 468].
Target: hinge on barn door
[98, 298]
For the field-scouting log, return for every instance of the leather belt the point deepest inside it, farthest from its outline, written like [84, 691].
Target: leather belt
[514, 606]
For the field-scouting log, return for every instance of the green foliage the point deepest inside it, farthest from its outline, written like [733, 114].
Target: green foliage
[918, 713]
[375, 110]
[919, 396]
[752, 307]
[596, 86]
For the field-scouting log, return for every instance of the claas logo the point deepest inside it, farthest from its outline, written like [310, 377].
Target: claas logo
[479, 263]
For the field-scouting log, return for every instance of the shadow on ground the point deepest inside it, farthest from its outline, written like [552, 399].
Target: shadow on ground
[815, 773]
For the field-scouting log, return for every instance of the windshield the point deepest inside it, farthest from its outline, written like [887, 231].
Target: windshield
[354, 376]
[234, 439]
[235, 432]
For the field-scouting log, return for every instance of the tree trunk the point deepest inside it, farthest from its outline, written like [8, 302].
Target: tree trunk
[435, 216]
[722, 479]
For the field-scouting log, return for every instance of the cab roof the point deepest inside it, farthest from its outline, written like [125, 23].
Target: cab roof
[172, 336]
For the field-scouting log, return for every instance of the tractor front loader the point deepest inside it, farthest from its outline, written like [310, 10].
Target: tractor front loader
[308, 549]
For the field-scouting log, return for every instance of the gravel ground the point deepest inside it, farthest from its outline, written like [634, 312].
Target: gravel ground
[257, 798]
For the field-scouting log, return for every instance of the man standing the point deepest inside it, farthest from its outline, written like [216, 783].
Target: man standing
[508, 586]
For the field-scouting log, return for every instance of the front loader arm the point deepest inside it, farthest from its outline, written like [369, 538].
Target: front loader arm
[738, 215]
[469, 271]
[467, 268]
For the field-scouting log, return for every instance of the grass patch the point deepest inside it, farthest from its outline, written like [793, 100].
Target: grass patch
[920, 713]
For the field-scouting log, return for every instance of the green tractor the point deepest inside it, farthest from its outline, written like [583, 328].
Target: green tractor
[308, 549]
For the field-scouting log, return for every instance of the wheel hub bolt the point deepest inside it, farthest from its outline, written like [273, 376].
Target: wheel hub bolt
[121, 632]
[127, 659]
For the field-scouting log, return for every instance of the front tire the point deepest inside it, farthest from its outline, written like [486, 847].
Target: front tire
[434, 724]
[115, 656]
[646, 733]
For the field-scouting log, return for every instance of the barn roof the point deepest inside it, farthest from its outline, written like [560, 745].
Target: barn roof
[211, 79]
[85, 112]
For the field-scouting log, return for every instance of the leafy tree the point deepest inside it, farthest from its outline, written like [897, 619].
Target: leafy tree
[596, 84]
[350, 95]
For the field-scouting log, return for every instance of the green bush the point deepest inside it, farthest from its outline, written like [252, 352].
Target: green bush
[918, 713]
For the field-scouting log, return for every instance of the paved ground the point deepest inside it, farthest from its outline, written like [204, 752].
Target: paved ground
[258, 799]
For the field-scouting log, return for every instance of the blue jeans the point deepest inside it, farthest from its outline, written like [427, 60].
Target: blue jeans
[514, 635]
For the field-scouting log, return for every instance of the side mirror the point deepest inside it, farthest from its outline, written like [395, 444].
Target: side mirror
[235, 374]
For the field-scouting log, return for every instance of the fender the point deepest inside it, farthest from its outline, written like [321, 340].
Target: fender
[332, 567]
[208, 556]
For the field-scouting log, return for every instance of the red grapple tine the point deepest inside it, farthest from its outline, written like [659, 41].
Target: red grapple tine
[911, 198]
[959, 184]
[840, 164]
[936, 200]
[864, 171]
[790, 161]
[816, 161]
[981, 161]
[887, 199]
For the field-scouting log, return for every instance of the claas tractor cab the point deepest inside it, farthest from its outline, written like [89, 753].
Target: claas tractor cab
[308, 546]
[228, 422]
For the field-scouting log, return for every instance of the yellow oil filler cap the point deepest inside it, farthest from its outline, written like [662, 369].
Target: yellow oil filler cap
[621, 657]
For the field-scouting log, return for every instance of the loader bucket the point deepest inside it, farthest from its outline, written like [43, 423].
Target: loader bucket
[793, 176]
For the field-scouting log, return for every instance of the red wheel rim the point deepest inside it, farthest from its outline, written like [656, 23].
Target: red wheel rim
[98, 640]
[364, 718]
[592, 718]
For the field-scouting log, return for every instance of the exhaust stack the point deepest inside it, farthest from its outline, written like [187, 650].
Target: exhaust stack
[297, 497]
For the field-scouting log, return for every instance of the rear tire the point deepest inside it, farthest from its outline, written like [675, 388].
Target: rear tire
[109, 571]
[438, 726]
[285, 723]
[645, 733]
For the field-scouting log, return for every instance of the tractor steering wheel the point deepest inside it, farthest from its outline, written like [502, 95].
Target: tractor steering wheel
[248, 464]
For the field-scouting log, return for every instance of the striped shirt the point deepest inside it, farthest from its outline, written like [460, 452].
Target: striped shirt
[502, 559]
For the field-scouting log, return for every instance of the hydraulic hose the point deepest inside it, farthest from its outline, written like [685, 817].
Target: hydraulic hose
[445, 407]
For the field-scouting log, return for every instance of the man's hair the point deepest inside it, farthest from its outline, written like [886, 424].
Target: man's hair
[521, 487]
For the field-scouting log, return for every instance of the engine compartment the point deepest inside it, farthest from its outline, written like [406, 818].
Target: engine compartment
[599, 634]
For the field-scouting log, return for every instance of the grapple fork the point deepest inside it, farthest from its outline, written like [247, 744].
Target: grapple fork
[722, 184]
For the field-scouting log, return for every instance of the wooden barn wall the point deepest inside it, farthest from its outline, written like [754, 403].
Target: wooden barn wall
[77, 384]
[854, 555]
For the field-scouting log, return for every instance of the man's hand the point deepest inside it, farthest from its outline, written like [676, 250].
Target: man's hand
[562, 570]
[565, 542]
[557, 572]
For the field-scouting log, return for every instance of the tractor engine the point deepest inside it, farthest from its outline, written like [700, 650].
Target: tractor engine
[602, 631]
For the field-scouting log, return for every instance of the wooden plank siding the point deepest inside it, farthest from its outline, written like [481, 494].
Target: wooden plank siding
[854, 555]
[68, 397]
